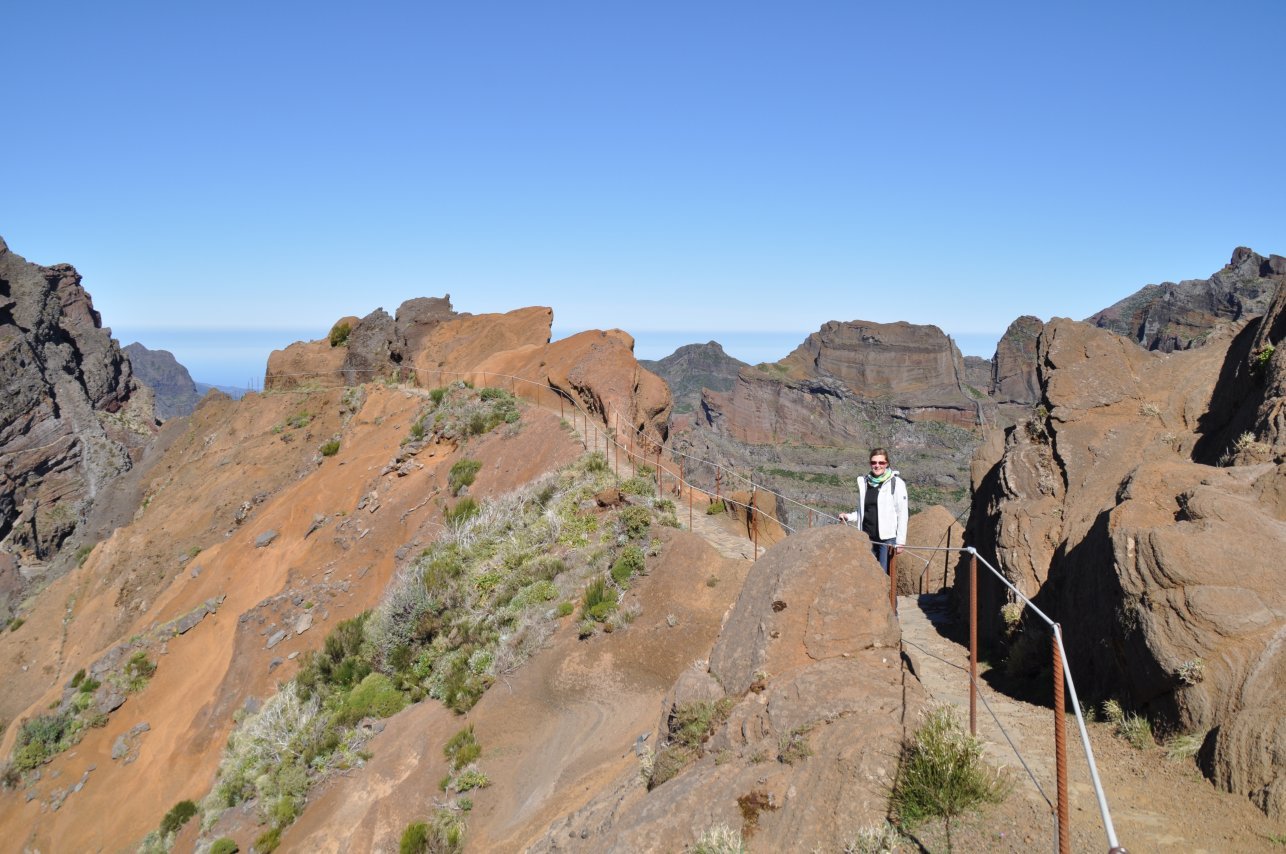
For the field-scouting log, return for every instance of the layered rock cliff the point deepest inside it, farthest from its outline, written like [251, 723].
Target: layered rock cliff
[802, 426]
[1144, 505]
[71, 413]
[1179, 316]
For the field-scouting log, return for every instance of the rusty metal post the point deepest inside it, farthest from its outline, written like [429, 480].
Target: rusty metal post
[616, 440]
[893, 578]
[718, 478]
[1060, 750]
[810, 517]
[973, 644]
[689, 506]
[659, 489]
[754, 529]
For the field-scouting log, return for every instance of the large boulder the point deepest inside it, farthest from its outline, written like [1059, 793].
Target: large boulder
[1140, 506]
[808, 660]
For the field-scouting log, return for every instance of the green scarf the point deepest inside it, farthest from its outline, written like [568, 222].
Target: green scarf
[875, 482]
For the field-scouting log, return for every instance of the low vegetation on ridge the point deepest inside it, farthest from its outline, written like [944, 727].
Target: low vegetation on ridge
[471, 607]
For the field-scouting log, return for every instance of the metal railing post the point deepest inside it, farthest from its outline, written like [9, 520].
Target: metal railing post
[973, 644]
[1060, 751]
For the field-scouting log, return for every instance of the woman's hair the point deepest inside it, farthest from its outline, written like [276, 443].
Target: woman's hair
[881, 452]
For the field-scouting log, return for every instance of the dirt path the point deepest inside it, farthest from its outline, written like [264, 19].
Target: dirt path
[1156, 804]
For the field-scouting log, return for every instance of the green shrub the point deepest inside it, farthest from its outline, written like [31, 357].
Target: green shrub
[1259, 361]
[717, 506]
[137, 671]
[375, 696]
[78, 678]
[596, 462]
[629, 564]
[437, 394]
[41, 737]
[471, 779]
[599, 600]
[634, 522]
[638, 485]
[462, 474]
[339, 334]
[15, 623]
[177, 817]
[224, 845]
[89, 686]
[415, 839]
[82, 554]
[329, 449]
[669, 762]
[299, 420]
[942, 773]
[1135, 729]
[268, 840]
[462, 748]
[565, 608]
[463, 510]
[693, 723]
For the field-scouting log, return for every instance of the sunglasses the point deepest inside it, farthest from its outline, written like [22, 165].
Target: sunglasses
[875, 463]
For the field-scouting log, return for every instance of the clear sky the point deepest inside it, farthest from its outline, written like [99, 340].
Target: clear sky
[698, 167]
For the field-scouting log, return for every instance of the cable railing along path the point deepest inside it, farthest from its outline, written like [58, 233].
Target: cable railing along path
[602, 430]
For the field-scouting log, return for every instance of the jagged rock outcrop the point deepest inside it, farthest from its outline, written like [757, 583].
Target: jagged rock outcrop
[693, 367]
[426, 342]
[174, 391]
[1013, 368]
[1146, 513]
[71, 409]
[1177, 317]
[808, 657]
[598, 370]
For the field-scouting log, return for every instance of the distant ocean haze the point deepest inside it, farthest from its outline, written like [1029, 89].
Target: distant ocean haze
[239, 357]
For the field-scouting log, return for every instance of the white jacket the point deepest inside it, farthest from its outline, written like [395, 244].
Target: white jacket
[893, 506]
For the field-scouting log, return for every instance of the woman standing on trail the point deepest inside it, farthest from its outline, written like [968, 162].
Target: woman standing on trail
[881, 508]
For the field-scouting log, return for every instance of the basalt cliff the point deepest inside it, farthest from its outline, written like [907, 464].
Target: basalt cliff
[72, 419]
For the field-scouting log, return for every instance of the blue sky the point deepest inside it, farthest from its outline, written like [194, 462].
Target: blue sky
[698, 167]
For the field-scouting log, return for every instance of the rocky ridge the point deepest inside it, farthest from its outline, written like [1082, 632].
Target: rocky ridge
[72, 418]
[1180, 316]
[694, 367]
[174, 391]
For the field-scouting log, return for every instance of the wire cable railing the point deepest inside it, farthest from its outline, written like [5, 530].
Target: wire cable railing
[603, 427]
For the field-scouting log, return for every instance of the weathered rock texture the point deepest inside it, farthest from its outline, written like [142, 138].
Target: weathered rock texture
[1013, 368]
[175, 393]
[808, 652]
[692, 368]
[70, 412]
[1147, 511]
[1177, 317]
